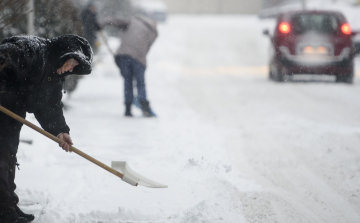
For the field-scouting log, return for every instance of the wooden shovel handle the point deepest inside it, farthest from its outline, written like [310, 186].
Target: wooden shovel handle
[52, 137]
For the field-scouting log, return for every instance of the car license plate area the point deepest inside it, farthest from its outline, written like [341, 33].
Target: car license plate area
[317, 50]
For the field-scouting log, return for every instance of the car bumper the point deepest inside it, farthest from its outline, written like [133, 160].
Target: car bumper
[316, 64]
[315, 60]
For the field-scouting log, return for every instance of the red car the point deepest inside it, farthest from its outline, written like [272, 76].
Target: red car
[312, 42]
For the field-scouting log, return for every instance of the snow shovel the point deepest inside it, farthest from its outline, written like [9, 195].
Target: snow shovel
[119, 168]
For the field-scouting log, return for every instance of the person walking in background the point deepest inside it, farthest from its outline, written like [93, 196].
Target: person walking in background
[90, 27]
[32, 71]
[139, 33]
[90, 23]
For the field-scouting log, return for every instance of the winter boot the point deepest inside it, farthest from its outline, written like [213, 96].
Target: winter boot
[13, 220]
[28, 217]
[10, 216]
[145, 107]
[128, 110]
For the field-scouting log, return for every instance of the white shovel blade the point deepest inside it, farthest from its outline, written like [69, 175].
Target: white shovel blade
[132, 177]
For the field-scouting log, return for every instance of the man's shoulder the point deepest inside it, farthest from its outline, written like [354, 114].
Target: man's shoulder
[146, 22]
[19, 41]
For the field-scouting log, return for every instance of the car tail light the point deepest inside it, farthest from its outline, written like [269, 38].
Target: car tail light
[284, 27]
[346, 29]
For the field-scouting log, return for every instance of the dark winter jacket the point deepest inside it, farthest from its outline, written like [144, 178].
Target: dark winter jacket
[29, 73]
[139, 34]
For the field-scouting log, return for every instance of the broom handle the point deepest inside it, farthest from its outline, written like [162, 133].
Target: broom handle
[50, 136]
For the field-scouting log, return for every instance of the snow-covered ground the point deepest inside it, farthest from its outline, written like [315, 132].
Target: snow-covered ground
[231, 145]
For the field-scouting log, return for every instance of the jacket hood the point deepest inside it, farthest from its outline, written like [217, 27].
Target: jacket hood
[65, 47]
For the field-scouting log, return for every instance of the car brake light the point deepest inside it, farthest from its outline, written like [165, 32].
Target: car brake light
[284, 27]
[346, 29]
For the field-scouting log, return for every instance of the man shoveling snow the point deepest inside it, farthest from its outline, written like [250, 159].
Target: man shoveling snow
[32, 74]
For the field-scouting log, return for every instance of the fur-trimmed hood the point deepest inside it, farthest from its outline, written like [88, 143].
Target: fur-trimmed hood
[30, 65]
[55, 51]
[70, 46]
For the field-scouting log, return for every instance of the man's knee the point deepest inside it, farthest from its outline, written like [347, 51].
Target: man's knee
[9, 144]
[9, 134]
[5, 156]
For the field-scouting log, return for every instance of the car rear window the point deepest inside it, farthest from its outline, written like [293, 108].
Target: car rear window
[320, 23]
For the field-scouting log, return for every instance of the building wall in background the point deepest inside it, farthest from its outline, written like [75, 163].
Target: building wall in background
[214, 6]
[272, 3]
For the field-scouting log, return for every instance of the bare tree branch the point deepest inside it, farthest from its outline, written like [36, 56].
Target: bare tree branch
[10, 11]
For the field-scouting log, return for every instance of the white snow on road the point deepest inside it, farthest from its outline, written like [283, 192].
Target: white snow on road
[231, 145]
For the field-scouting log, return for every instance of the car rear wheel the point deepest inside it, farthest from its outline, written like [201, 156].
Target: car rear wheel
[277, 75]
[271, 75]
[345, 78]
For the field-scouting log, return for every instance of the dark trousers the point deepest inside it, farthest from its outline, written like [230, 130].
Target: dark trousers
[132, 69]
[9, 142]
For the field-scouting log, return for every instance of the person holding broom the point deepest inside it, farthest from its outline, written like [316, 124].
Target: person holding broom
[32, 73]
